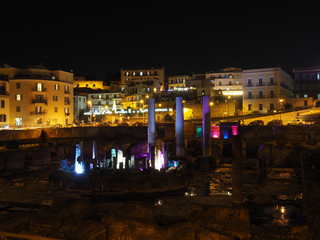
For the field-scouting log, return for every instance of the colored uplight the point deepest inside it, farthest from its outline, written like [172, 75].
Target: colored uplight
[225, 132]
[199, 132]
[215, 132]
[234, 130]
[159, 159]
[78, 166]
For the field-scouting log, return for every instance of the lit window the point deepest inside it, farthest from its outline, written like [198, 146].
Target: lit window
[39, 87]
[56, 87]
[141, 73]
[18, 97]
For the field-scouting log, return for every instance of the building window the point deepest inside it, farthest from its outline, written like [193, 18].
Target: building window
[3, 118]
[18, 109]
[55, 98]
[260, 94]
[305, 103]
[66, 89]
[38, 109]
[249, 107]
[271, 106]
[305, 95]
[272, 93]
[271, 81]
[312, 76]
[249, 82]
[56, 87]
[318, 76]
[2, 103]
[18, 97]
[93, 85]
[18, 85]
[39, 87]
[260, 106]
[55, 109]
[249, 94]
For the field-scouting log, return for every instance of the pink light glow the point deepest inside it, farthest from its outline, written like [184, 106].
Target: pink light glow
[215, 132]
[234, 130]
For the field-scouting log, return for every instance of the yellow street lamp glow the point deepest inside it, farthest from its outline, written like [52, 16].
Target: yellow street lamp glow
[211, 103]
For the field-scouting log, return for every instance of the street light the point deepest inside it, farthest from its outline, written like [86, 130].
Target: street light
[141, 101]
[89, 102]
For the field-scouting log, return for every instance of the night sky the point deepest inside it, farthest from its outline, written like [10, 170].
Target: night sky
[98, 39]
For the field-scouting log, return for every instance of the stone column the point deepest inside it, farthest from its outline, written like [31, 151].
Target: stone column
[206, 125]
[179, 127]
[151, 130]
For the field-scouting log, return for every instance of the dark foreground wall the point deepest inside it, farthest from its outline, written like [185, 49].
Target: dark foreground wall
[77, 132]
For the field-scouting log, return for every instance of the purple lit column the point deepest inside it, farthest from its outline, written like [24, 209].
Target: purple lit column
[206, 124]
[151, 130]
[179, 127]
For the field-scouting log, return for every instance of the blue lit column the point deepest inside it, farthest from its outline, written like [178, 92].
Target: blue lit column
[206, 124]
[151, 130]
[179, 127]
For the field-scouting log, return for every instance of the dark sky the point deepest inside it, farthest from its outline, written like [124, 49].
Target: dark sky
[199, 36]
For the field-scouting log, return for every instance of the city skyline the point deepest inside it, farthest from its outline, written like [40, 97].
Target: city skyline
[93, 40]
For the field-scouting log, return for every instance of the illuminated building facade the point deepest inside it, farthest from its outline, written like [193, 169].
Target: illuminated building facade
[39, 97]
[142, 81]
[178, 83]
[266, 90]
[82, 82]
[102, 101]
[228, 81]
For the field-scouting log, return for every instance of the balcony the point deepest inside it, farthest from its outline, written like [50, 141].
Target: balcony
[260, 84]
[261, 96]
[249, 85]
[67, 102]
[67, 91]
[249, 97]
[271, 83]
[40, 100]
[39, 113]
[35, 89]
[67, 113]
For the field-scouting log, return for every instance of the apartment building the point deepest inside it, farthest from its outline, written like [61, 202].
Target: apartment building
[142, 81]
[38, 97]
[101, 101]
[307, 82]
[266, 89]
[228, 81]
[178, 83]
[4, 100]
